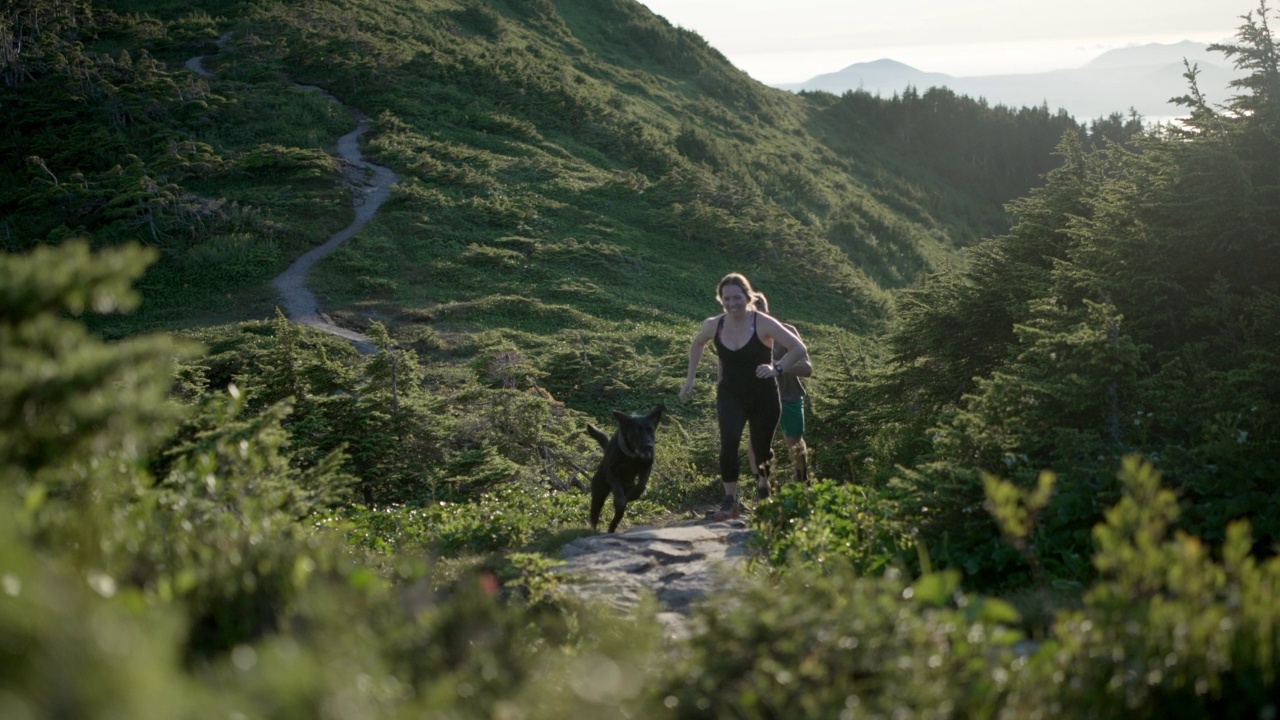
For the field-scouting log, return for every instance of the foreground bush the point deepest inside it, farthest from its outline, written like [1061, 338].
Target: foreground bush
[833, 645]
[194, 582]
[827, 523]
[1168, 631]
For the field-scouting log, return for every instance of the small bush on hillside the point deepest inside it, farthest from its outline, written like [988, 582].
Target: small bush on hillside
[511, 515]
[1170, 630]
[834, 645]
[480, 19]
[826, 523]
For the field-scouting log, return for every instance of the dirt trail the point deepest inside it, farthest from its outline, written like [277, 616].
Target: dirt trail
[371, 190]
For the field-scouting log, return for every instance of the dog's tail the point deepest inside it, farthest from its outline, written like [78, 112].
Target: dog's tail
[599, 435]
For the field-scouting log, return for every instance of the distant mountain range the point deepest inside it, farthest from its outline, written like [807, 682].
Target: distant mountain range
[1141, 77]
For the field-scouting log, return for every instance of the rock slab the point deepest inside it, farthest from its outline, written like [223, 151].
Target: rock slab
[679, 565]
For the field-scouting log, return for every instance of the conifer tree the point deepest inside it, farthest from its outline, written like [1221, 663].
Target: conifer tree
[1132, 307]
[78, 416]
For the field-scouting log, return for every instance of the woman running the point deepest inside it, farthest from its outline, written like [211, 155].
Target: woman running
[747, 394]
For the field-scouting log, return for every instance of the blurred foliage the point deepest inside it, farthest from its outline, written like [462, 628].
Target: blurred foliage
[1172, 628]
[834, 644]
[172, 560]
[825, 523]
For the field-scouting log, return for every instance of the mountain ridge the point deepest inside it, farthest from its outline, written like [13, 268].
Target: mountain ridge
[1139, 78]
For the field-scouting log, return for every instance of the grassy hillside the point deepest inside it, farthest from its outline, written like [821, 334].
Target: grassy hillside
[575, 178]
[619, 164]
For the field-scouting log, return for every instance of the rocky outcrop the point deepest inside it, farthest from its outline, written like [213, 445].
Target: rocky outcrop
[679, 566]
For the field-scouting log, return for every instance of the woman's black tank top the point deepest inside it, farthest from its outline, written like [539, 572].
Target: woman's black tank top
[738, 366]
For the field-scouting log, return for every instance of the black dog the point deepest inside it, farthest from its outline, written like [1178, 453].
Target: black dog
[628, 459]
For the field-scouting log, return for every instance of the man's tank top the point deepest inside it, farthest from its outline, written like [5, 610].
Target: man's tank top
[739, 366]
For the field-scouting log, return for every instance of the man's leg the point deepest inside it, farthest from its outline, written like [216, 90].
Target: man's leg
[792, 422]
[799, 459]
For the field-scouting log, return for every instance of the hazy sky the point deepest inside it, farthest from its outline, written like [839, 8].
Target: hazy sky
[779, 41]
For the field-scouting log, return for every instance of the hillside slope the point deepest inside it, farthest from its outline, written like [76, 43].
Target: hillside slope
[612, 160]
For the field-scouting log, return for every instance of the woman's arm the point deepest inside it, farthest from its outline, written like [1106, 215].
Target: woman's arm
[797, 355]
[696, 349]
[803, 368]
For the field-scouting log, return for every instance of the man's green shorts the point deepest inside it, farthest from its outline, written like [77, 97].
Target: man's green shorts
[793, 418]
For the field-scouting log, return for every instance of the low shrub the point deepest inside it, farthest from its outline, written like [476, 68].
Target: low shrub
[510, 515]
[824, 523]
[830, 644]
[1171, 629]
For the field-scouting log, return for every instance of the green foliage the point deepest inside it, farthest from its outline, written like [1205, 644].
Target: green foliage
[207, 587]
[1016, 510]
[508, 516]
[986, 154]
[1168, 630]
[1020, 514]
[550, 124]
[83, 636]
[575, 178]
[543, 107]
[1129, 308]
[220, 562]
[110, 143]
[824, 523]
[537, 577]
[934, 364]
[77, 416]
[227, 489]
[501, 116]
[1042, 414]
[832, 644]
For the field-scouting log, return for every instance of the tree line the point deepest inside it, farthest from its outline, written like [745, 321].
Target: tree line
[1131, 308]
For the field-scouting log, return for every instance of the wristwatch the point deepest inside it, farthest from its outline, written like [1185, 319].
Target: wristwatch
[777, 368]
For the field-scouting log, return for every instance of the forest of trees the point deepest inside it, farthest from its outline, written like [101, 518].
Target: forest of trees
[1130, 309]
[1046, 440]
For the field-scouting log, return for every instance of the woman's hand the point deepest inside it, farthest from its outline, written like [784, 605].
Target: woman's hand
[686, 390]
[764, 371]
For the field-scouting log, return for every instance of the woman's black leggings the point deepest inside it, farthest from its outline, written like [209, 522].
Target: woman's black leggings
[756, 404]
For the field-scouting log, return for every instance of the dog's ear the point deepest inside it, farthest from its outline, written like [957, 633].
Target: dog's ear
[656, 414]
[620, 416]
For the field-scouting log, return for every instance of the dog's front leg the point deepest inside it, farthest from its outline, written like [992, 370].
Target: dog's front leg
[619, 507]
[642, 482]
[600, 489]
[619, 500]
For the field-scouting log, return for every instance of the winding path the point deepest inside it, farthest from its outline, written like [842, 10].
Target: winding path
[300, 304]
